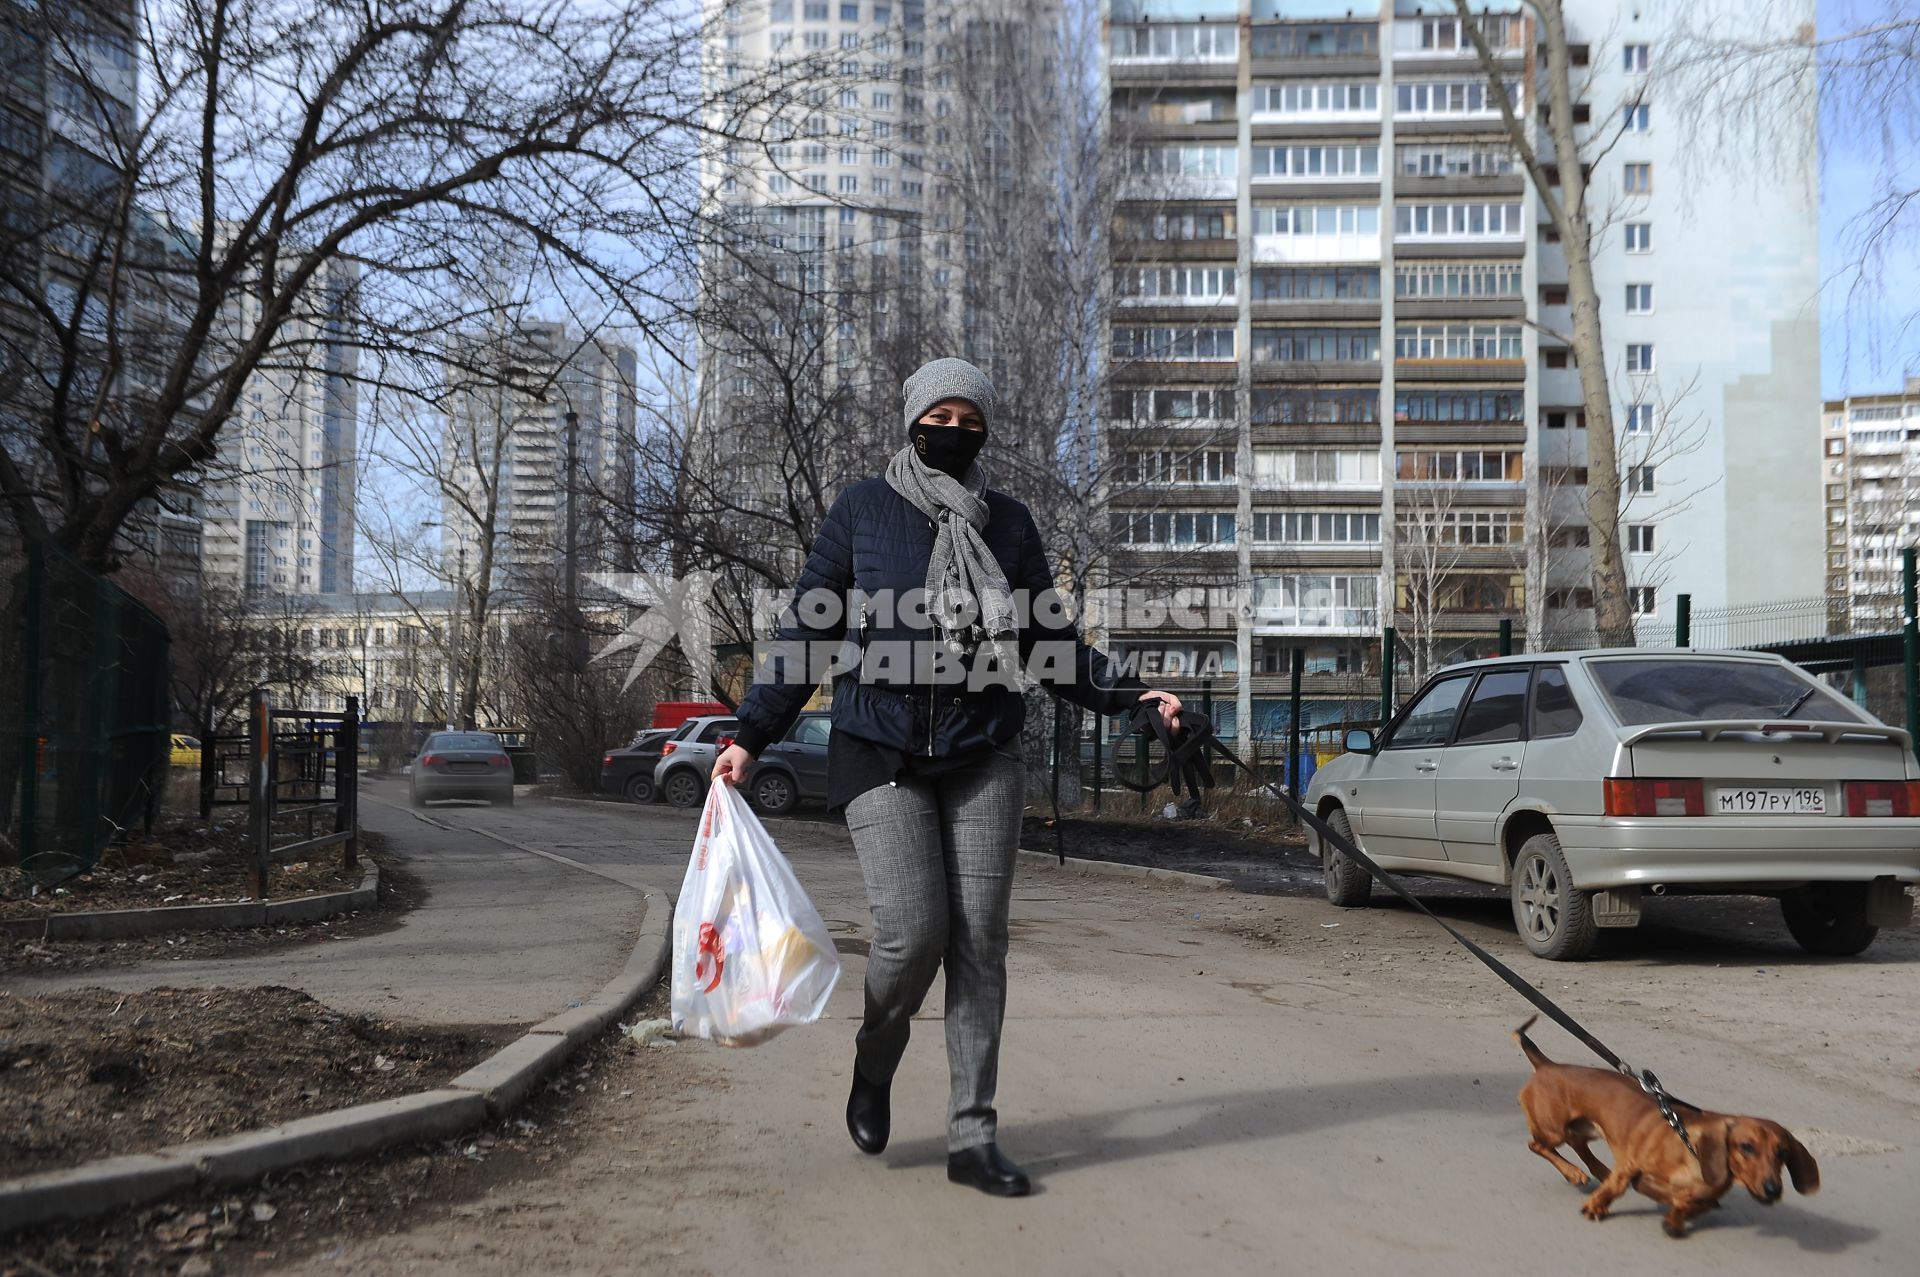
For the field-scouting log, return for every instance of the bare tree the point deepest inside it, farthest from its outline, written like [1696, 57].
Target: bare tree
[271, 138]
[1559, 178]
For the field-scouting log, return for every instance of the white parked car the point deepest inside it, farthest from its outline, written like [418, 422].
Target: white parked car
[1581, 780]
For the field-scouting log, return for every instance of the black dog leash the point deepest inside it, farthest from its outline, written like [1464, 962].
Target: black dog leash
[1189, 765]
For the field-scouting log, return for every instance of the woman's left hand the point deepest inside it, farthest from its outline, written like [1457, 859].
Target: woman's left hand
[1169, 706]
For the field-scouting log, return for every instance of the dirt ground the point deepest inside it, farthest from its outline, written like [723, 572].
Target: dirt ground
[95, 1073]
[400, 891]
[306, 1211]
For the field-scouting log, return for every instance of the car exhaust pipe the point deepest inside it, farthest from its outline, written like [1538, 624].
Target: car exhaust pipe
[1658, 889]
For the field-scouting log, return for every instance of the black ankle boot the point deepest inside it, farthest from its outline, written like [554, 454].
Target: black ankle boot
[984, 1168]
[869, 1116]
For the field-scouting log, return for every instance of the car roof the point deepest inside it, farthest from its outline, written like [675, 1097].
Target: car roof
[1593, 653]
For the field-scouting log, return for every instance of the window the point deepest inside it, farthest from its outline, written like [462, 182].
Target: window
[1457, 341]
[1316, 283]
[1309, 97]
[1296, 162]
[1316, 345]
[1451, 97]
[1189, 224]
[1452, 465]
[1460, 405]
[1317, 527]
[1639, 237]
[1457, 221]
[1172, 529]
[1640, 419]
[1317, 219]
[1640, 357]
[1429, 720]
[1640, 538]
[1554, 712]
[1496, 709]
[1637, 179]
[1640, 479]
[814, 10]
[1503, 33]
[1179, 283]
[1639, 299]
[1172, 404]
[1182, 42]
[1634, 57]
[1450, 279]
[1643, 600]
[849, 184]
[1172, 343]
[1455, 159]
[1465, 527]
[1636, 118]
[1207, 465]
[1185, 161]
[780, 11]
[1322, 467]
[849, 13]
[1317, 40]
[815, 40]
[1294, 405]
[1316, 601]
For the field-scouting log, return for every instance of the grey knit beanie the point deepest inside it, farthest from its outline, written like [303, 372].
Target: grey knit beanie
[948, 379]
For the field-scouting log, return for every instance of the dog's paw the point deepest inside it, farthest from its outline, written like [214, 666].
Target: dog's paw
[1594, 1211]
[1673, 1230]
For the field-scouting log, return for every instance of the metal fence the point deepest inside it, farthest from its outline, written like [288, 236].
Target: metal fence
[83, 712]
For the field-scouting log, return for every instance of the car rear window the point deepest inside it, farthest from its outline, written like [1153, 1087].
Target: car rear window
[718, 728]
[1653, 690]
[465, 740]
[1555, 712]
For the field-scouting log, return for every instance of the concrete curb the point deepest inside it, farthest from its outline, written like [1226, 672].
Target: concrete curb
[125, 924]
[489, 1089]
[1114, 869]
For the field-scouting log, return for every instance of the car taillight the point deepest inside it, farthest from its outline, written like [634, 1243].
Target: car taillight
[1656, 798]
[430, 760]
[669, 747]
[724, 741]
[1883, 798]
[606, 760]
[500, 760]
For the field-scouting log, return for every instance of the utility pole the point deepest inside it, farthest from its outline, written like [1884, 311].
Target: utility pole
[454, 640]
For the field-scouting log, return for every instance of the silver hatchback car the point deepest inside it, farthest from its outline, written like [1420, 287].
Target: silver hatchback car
[1581, 780]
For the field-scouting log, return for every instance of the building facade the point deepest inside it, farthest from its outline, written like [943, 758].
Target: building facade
[1338, 381]
[1870, 486]
[506, 453]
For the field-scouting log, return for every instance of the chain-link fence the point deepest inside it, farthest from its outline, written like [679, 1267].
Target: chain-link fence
[83, 712]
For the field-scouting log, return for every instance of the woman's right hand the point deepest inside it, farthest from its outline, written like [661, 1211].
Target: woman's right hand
[731, 766]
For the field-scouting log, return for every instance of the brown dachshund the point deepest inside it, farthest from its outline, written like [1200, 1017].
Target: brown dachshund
[1571, 1105]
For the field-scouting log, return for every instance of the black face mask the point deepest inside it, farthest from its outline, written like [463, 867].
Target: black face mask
[949, 449]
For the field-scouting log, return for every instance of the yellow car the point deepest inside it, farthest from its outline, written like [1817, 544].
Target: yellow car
[186, 751]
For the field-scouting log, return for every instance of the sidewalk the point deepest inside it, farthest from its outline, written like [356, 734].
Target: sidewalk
[503, 936]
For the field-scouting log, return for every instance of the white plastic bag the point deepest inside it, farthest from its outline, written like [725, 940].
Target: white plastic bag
[750, 953]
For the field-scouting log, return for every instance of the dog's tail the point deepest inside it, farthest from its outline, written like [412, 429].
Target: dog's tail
[1534, 1057]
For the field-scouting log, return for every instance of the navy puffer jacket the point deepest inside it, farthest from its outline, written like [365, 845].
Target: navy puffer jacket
[877, 543]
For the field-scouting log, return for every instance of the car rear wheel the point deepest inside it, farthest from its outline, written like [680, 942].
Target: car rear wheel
[639, 789]
[1554, 917]
[775, 794]
[414, 796]
[1829, 918]
[1348, 885]
[683, 789]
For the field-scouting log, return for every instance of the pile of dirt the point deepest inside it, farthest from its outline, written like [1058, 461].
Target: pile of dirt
[93, 1073]
[184, 865]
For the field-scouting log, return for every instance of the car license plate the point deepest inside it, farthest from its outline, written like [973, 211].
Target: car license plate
[1771, 802]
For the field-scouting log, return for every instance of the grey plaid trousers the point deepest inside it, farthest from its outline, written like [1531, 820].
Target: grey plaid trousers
[938, 861]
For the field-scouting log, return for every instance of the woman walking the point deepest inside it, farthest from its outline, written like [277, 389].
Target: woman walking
[925, 750]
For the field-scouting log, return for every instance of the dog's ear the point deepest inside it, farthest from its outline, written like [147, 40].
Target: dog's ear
[1710, 1148]
[1800, 1164]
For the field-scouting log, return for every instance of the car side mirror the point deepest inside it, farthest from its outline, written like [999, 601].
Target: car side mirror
[1359, 741]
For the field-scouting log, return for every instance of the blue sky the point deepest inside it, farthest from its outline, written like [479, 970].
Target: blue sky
[1860, 345]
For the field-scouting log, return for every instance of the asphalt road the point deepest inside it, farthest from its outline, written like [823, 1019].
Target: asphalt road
[1208, 1082]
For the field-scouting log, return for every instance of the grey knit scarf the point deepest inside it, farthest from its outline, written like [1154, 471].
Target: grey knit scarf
[963, 577]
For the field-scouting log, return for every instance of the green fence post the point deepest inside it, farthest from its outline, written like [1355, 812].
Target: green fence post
[259, 789]
[346, 781]
[1206, 698]
[1297, 666]
[1506, 636]
[1683, 620]
[1386, 674]
[1910, 643]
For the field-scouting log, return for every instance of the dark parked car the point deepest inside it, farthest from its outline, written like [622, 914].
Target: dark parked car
[628, 770]
[794, 769]
[461, 765]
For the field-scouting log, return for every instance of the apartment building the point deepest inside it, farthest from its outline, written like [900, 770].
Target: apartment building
[564, 431]
[1338, 381]
[1870, 488]
[280, 502]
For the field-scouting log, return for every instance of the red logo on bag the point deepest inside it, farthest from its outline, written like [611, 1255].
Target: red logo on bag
[711, 945]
